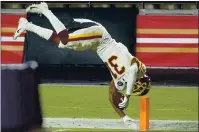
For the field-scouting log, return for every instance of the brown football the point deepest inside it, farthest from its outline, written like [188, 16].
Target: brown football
[117, 98]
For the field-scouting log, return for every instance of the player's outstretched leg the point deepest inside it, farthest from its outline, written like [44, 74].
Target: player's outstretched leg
[45, 33]
[59, 27]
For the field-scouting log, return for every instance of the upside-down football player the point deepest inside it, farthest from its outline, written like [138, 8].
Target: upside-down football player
[127, 71]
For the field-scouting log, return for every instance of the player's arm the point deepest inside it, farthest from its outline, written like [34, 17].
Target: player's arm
[126, 119]
[131, 79]
[112, 90]
[130, 84]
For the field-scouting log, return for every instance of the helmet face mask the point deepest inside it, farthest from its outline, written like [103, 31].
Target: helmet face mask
[142, 86]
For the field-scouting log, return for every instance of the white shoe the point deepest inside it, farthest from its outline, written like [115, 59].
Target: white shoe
[21, 27]
[37, 8]
[130, 123]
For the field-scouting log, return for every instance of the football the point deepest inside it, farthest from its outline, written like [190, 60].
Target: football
[117, 98]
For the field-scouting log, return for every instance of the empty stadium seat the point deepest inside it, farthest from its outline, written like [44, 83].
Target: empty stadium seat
[53, 5]
[187, 6]
[101, 5]
[78, 5]
[149, 6]
[13, 6]
[123, 5]
[139, 6]
[169, 6]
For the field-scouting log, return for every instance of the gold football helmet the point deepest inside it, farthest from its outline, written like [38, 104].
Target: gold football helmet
[142, 86]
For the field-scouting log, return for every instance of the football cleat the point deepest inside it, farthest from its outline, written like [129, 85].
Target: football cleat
[130, 123]
[37, 8]
[21, 27]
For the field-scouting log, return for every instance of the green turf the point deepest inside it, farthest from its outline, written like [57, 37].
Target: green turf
[92, 102]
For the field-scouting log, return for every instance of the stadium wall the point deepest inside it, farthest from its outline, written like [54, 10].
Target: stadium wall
[167, 41]
[11, 50]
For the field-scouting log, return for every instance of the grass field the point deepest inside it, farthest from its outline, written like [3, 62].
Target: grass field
[92, 102]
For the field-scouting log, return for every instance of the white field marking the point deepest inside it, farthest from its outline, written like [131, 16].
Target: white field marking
[178, 125]
[105, 85]
[167, 40]
[63, 130]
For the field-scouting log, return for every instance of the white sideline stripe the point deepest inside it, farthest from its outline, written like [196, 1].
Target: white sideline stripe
[167, 40]
[10, 39]
[139, 40]
[178, 125]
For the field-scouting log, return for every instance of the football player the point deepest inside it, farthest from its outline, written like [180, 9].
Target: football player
[127, 71]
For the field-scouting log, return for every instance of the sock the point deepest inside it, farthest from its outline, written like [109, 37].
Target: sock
[42, 32]
[56, 23]
[125, 117]
[63, 35]
[55, 38]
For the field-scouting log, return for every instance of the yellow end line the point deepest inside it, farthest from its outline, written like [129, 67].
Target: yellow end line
[167, 31]
[12, 48]
[168, 50]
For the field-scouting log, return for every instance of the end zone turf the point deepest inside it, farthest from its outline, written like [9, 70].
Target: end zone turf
[82, 102]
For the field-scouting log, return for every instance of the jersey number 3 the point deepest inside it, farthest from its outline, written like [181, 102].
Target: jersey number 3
[117, 69]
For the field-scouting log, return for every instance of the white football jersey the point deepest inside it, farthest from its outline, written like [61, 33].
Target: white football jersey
[118, 59]
[115, 55]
